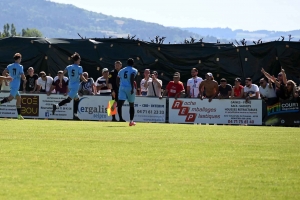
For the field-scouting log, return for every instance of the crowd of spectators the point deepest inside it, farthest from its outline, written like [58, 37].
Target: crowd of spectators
[271, 89]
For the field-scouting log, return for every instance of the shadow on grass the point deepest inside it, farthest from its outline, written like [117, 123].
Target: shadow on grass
[115, 126]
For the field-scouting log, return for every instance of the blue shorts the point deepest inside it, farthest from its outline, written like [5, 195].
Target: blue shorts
[14, 91]
[125, 94]
[73, 93]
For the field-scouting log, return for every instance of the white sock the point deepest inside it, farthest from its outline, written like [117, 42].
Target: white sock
[75, 114]
[57, 106]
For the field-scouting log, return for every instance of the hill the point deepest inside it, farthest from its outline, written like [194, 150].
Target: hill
[250, 36]
[56, 20]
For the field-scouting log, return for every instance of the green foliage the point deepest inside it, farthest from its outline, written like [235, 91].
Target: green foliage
[31, 33]
[9, 31]
[43, 159]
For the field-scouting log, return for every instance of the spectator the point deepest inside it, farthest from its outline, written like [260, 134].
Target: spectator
[44, 82]
[30, 84]
[87, 88]
[60, 84]
[237, 90]
[174, 88]
[251, 91]
[267, 91]
[224, 89]
[280, 82]
[210, 86]
[153, 85]
[5, 84]
[146, 78]
[193, 84]
[103, 85]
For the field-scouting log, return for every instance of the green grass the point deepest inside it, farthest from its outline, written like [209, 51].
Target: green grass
[41, 159]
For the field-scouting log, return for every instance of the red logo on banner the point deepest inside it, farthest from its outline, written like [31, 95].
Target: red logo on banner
[184, 111]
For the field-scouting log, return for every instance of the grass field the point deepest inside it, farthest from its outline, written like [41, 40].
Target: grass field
[41, 159]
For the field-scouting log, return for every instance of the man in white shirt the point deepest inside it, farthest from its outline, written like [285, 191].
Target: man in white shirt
[251, 91]
[146, 78]
[193, 84]
[267, 91]
[154, 85]
[5, 84]
[44, 82]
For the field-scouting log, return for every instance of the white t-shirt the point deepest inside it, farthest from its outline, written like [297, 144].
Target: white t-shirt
[143, 81]
[43, 83]
[155, 85]
[267, 91]
[194, 84]
[252, 90]
[5, 85]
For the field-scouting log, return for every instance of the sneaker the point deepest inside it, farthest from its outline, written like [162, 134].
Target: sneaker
[114, 120]
[122, 120]
[20, 117]
[132, 123]
[53, 109]
[76, 116]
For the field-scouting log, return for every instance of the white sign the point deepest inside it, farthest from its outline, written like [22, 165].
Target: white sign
[46, 106]
[8, 109]
[146, 109]
[223, 111]
[37, 106]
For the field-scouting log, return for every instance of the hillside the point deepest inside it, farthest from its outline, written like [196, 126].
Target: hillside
[56, 20]
[229, 34]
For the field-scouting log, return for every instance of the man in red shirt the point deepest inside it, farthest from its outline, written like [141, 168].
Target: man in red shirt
[174, 88]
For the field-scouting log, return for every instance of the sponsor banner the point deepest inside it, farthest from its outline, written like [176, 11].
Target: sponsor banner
[146, 109]
[45, 107]
[283, 114]
[8, 110]
[30, 106]
[223, 111]
[37, 106]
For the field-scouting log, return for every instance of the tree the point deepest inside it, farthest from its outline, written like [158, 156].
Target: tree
[10, 30]
[31, 33]
[13, 30]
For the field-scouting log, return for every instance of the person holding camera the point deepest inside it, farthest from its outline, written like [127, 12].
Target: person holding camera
[153, 85]
[44, 83]
[147, 77]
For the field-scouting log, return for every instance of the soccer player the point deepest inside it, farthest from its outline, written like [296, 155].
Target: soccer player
[16, 71]
[126, 91]
[75, 74]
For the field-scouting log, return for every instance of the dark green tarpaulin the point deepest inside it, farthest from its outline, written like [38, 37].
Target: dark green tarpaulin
[223, 60]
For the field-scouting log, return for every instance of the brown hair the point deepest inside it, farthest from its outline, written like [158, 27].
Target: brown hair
[248, 79]
[17, 56]
[195, 69]
[75, 56]
[293, 84]
[118, 62]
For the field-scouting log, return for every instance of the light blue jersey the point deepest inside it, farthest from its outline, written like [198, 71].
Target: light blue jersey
[15, 70]
[74, 72]
[125, 75]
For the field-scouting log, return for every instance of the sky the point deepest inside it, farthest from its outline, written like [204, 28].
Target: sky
[273, 15]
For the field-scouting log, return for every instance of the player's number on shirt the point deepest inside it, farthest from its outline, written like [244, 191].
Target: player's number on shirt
[73, 72]
[14, 71]
[125, 74]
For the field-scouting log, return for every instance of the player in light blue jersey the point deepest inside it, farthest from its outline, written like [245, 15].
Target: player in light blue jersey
[126, 78]
[16, 71]
[75, 75]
